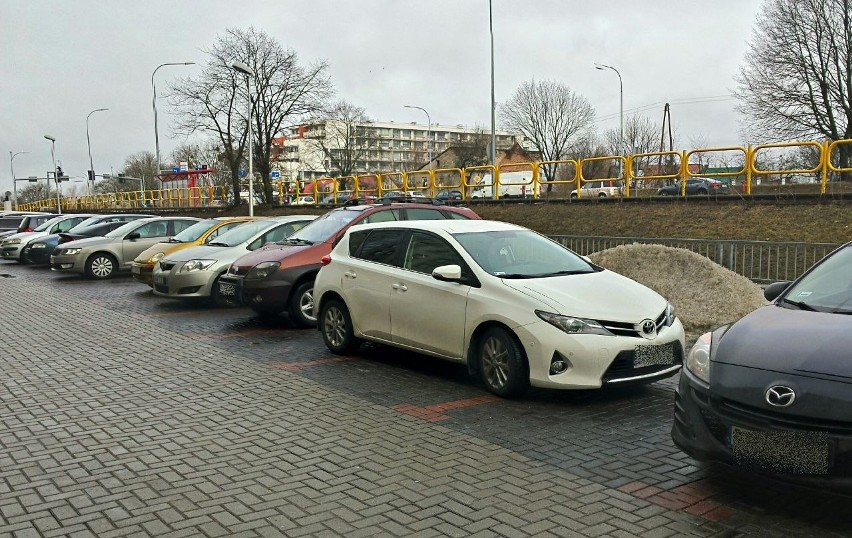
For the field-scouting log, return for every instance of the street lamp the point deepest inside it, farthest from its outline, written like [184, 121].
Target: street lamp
[14, 183]
[240, 67]
[154, 102]
[55, 178]
[493, 155]
[428, 133]
[603, 67]
[89, 144]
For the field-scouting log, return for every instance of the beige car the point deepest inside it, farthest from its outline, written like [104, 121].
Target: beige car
[600, 189]
[102, 257]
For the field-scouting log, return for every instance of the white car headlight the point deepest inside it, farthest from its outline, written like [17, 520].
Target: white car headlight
[196, 265]
[71, 251]
[698, 359]
[156, 257]
[573, 325]
[263, 270]
[39, 245]
[12, 242]
[670, 315]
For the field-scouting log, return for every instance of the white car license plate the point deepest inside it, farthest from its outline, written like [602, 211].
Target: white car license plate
[791, 452]
[227, 289]
[653, 355]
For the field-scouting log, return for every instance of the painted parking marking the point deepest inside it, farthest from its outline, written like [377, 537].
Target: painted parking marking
[435, 413]
[693, 498]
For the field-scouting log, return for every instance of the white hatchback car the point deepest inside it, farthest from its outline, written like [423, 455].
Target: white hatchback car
[518, 308]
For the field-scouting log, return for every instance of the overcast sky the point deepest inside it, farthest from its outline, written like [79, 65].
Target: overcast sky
[63, 59]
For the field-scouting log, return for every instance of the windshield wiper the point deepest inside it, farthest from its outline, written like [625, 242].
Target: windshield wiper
[217, 244]
[570, 272]
[801, 305]
[173, 240]
[294, 241]
[514, 275]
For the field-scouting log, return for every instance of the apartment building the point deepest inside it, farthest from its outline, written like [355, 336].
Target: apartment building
[317, 149]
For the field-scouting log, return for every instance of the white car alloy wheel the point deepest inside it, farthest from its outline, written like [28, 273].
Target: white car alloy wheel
[336, 327]
[502, 364]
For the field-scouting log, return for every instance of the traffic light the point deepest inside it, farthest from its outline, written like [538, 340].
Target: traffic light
[120, 177]
[58, 173]
[92, 175]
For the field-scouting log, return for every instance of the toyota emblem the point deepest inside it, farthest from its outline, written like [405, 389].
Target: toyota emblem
[780, 396]
[649, 327]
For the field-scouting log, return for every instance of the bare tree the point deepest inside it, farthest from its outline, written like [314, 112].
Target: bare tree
[33, 193]
[142, 165]
[551, 116]
[472, 150]
[216, 102]
[795, 82]
[345, 140]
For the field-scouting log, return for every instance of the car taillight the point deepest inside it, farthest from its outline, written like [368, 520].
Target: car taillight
[28, 229]
[325, 260]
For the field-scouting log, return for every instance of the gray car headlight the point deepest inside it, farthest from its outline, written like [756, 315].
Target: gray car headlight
[196, 265]
[39, 245]
[263, 269]
[12, 242]
[698, 359]
[573, 325]
[71, 251]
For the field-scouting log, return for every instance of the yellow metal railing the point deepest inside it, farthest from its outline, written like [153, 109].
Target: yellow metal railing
[484, 181]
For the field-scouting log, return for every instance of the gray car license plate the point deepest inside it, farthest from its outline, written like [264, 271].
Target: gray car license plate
[790, 452]
[653, 355]
[227, 289]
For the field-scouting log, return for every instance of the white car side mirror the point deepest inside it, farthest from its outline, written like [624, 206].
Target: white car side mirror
[447, 273]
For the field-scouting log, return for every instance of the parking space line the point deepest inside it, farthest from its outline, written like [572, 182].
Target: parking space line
[692, 498]
[434, 413]
[296, 366]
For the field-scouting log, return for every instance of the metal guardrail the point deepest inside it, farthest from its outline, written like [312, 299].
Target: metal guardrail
[760, 261]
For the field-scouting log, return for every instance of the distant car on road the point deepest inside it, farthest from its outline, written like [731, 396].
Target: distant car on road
[696, 186]
[600, 189]
[449, 194]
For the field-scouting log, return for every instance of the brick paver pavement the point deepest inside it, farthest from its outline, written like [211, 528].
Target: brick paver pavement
[125, 415]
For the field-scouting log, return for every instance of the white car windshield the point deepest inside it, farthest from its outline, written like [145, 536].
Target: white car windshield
[521, 254]
[828, 288]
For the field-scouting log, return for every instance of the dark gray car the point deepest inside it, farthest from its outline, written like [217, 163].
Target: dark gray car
[772, 392]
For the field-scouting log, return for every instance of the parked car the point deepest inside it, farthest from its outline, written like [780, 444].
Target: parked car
[102, 257]
[303, 200]
[16, 222]
[340, 198]
[280, 277]
[516, 307]
[449, 195]
[696, 185]
[12, 246]
[600, 189]
[38, 252]
[770, 392]
[199, 233]
[194, 273]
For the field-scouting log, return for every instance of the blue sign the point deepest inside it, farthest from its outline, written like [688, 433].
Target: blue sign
[274, 174]
[243, 173]
[175, 169]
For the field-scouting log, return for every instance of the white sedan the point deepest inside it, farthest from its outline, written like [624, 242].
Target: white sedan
[516, 307]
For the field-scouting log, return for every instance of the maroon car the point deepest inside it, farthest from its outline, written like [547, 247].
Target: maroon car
[280, 276]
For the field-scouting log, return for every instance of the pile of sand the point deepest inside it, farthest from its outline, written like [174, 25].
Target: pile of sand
[703, 293]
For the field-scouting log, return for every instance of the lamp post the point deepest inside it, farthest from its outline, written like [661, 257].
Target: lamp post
[154, 102]
[91, 175]
[55, 178]
[428, 132]
[493, 155]
[603, 67]
[14, 182]
[240, 67]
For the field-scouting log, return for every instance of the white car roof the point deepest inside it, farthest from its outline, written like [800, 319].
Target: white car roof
[446, 225]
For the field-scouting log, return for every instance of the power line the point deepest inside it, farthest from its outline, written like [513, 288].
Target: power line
[683, 101]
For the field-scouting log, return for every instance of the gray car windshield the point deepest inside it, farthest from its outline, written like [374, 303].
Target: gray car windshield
[126, 228]
[241, 233]
[521, 254]
[194, 232]
[828, 288]
[48, 223]
[324, 227]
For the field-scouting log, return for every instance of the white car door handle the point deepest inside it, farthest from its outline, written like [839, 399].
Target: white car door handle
[400, 287]
[349, 274]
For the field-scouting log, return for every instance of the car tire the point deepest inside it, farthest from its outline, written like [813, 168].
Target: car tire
[502, 364]
[573, 195]
[101, 266]
[662, 193]
[703, 192]
[602, 195]
[216, 298]
[302, 305]
[335, 324]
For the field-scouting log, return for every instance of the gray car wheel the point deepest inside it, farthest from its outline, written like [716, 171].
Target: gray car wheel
[101, 266]
[502, 363]
[302, 305]
[335, 325]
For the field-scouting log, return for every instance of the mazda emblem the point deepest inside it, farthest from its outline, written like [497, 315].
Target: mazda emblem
[780, 396]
